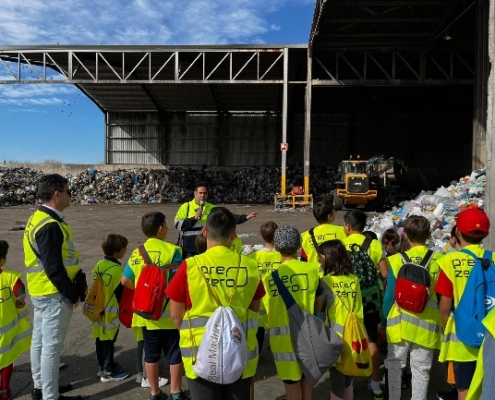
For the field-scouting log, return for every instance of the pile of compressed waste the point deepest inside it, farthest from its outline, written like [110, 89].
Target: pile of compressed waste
[167, 185]
[440, 208]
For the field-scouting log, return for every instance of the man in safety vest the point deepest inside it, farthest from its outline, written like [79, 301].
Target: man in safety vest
[52, 264]
[473, 226]
[410, 333]
[324, 213]
[234, 280]
[191, 218]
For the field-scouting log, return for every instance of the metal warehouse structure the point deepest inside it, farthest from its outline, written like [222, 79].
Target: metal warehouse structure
[407, 78]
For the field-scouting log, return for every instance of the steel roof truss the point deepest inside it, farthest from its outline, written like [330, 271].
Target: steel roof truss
[271, 66]
[121, 78]
[216, 66]
[74, 72]
[176, 55]
[245, 64]
[190, 65]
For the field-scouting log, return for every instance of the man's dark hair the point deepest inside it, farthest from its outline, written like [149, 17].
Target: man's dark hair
[113, 243]
[417, 228]
[220, 224]
[267, 230]
[49, 184]
[356, 219]
[4, 249]
[322, 210]
[201, 184]
[150, 222]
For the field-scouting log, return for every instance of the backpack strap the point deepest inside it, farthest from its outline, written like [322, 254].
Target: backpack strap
[366, 244]
[145, 255]
[427, 258]
[405, 257]
[313, 239]
[284, 292]
[486, 259]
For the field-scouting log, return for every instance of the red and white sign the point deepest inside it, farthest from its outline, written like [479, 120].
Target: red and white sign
[284, 146]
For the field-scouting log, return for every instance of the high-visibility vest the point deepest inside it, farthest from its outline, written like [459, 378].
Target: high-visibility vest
[475, 389]
[375, 250]
[457, 266]
[161, 253]
[37, 280]
[219, 264]
[302, 280]
[111, 274]
[236, 246]
[15, 330]
[347, 288]
[322, 233]
[268, 260]
[188, 210]
[424, 329]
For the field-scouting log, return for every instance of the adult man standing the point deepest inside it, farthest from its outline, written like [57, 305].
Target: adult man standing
[192, 216]
[52, 264]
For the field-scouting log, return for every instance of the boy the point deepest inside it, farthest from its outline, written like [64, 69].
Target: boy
[192, 303]
[473, 226]
[305, 288]
[160, 335]
[14, 324]
[354, 224]
[417, 334]
[105, 331]
[324, 213]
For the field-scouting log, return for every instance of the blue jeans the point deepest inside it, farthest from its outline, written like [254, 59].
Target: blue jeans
[52, 314]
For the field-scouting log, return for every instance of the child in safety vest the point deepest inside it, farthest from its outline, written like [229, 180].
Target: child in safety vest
[17, 339]
[338, 273]
[473, 226]
[302, 281]
[416, 334]
[354, 224]
[324, 213]
[106, 330]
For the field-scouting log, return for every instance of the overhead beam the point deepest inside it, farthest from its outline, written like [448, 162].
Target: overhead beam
[393, 3]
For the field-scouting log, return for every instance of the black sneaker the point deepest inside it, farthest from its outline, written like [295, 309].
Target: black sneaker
[447, 395]
[158, 396]
[37, 395]
[182, 396]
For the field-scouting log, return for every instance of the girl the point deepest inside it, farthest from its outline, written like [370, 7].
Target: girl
[338, 272]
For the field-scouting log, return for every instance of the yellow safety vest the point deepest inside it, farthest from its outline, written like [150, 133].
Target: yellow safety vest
[219, 264]
[475, 389]
[268, 260]
[15, 330]
[188, 210]
[457, 266]
[236, 246]
[424, 329]
[322, 233]
[111, 274]
[302, 280]
[37, 280]
[347, 288]
[161, 253]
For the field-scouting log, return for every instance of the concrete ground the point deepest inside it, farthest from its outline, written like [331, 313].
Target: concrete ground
[90, 224]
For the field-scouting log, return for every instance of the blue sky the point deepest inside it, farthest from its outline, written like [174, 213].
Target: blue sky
[57, 122]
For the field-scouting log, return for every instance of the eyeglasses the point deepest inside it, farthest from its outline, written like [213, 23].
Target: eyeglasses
[68, 191]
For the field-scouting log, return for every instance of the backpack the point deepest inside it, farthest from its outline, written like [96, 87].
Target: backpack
[412, 289]
[316, 345]
[355, 359]
[94, 306]
[476, 301]
[125, 307]
[367, 273]
[150, 289]
[222, 355]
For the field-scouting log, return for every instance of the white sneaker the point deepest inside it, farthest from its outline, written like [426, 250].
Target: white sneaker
[145, 383]
[139, 377]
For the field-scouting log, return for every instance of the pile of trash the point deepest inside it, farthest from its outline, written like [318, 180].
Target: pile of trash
[440, 208]
[167, 185]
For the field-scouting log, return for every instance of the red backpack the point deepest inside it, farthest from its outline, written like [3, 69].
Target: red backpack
[150, 289]
[412, 289]
[125, 307]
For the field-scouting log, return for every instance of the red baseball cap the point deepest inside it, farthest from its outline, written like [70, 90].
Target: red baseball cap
[473, 222]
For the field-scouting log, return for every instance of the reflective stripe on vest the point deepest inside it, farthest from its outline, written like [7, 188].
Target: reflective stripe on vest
[262, 312]
[284, 356]
[278, 331]
[411, 319]
[451, 337]
[18, 338]
[8, 327]
[337, 327]
[115, 323]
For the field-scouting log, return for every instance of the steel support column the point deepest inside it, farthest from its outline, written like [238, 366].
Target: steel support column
[490, 131]
[284, 120]
[479, 156]
[307, 123]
